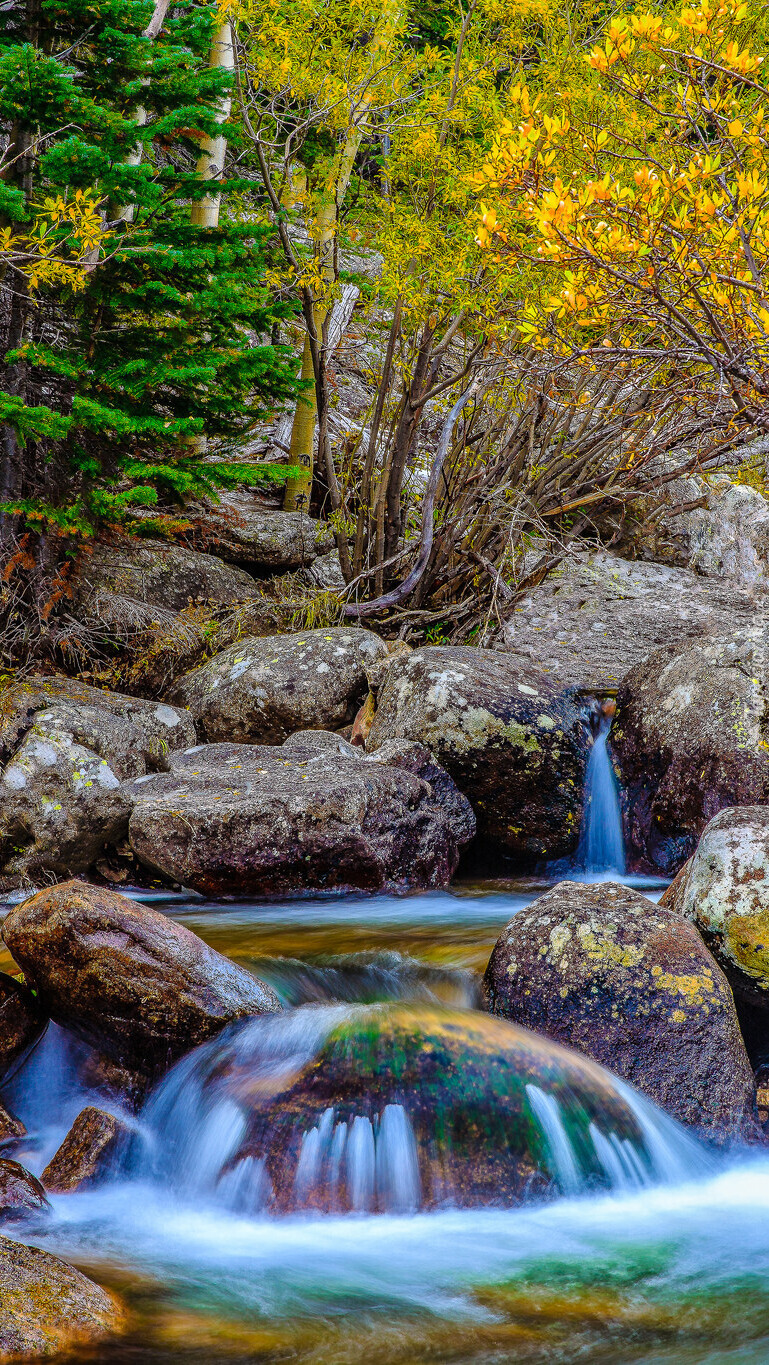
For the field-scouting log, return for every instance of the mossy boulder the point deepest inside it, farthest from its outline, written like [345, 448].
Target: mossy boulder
[631, 984]
[261, 690]
[49, 1309]
[315, 813]
[156, 573]
[514, 742]
[689, 739]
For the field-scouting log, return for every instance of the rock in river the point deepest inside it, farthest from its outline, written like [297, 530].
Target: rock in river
[47, 1308]
[21, 1194]
[261, 690]
[127, 979]
[514, 742]
[690, 739]
[88, 1152]
[21, 1023]
[315, 813]
[631, 984]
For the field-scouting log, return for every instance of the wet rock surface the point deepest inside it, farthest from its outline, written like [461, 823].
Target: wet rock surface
[261, 690]
[157, 573]
[47, 1308]
[65, 748]
[21, 1024]
[21, 1194]
[124, 977]
[513, 741]
[10, 1127]
[597, 616]
[315, 813]
[242, 530]
[603, 970]
[691, 737]
[88, 1153]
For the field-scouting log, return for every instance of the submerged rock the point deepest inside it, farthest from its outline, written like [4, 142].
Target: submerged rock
[597, 616]
[66, 748]
[514, 742]
[47, 1308]
[261, 690]
[602, 969]
[21, 1194]
[240, 529]
[21, 1024]
[689, 740]
[391, 1108]
[125, 978]
[315, 813]
[88, 1153]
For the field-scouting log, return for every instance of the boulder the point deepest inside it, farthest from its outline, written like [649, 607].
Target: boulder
[631, 984]
[514, 741]
[88, 1153]
[261, 690]
[21, 1194]
[47, 1308]
[21, 1024]
[723, 531]
[239, 528]
[11, 1128]
[316, 813]
[326, 573]
[597, 616]
[65, 748]
[156, 573]
[124, 977]
[689, 738]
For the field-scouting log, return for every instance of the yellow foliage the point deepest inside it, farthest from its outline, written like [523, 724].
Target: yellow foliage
[64, 239]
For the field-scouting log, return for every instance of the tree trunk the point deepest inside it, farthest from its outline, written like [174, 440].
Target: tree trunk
[205, 211]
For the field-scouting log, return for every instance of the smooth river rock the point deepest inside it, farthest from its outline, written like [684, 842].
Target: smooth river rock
[315, 813]
[65, 748]
[689, 739]
[124, 977]
[21, 1024]
[631, 984]
[88, 1152]
[21, 1194]
[514, 742]
[47, 1308]
[261, 690]
[240, 529]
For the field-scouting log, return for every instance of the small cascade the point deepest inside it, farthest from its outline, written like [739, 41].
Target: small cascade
[601, 844]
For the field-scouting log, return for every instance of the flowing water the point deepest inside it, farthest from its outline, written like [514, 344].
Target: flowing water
[601, 845]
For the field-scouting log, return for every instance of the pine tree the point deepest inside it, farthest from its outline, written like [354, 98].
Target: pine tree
[126, 329]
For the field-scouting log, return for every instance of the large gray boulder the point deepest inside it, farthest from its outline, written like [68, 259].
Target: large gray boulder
[314, 814]
[239, 528]
[690, 739]
[47, 1308]
[514, 742]
[603, 970]
[261, 690]
[597, 616]
[126, 978]
[156, 573]
[65, 748]
[722, 531]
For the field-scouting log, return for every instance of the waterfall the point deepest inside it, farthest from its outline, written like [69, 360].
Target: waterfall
[601, 846]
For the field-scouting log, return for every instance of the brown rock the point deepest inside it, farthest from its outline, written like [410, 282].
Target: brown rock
[126, 978]
[21, 1022]
[87, 1153]
[20, 1193]
[631, 984]
[10, 1127]
[47, 1307]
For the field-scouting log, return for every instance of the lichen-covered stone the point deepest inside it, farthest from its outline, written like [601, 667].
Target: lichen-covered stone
[47, 1308]
[125, 977]
[314, 813]
[602, 969]
[514, 742]
[64, 749]
[21, 1024]
[261, 690]
[240, 529]
[88, 1153]
[157, 573]
[689, 739]
[21, 1194]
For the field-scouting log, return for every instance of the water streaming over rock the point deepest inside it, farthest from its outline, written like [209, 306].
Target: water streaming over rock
[601, 844]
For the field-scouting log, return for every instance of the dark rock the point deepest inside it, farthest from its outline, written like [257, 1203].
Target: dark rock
[21, 1194]
[261, 690]
[689, 740]
[597, 616]
[632, 985]
[314, 813]
[240, 529]
[514, 742]
[47, 1308]
[124, 977]
[21, 1022]
[88, 1153]
[10, 1127]
[157, 573]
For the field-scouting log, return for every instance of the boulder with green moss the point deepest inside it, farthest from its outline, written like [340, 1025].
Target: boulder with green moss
[47, 1308]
